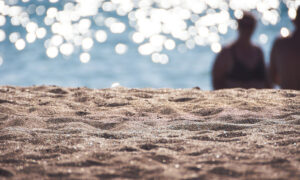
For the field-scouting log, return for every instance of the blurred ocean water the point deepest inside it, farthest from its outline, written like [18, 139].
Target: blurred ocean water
[186, 67]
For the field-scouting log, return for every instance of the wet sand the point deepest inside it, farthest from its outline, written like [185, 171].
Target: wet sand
[49, 132]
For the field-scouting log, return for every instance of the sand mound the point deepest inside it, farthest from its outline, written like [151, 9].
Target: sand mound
[49, 132]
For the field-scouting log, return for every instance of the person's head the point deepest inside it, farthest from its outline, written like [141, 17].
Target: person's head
[297, 19]
[246, 25]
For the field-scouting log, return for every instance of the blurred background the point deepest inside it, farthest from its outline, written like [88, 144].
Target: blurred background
[132, 43]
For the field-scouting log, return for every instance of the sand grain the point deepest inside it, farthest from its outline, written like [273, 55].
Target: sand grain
[49, 132]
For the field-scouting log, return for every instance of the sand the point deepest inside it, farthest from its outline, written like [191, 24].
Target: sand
[49, 132]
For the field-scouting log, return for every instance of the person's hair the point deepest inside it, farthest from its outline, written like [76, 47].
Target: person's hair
[247, 22]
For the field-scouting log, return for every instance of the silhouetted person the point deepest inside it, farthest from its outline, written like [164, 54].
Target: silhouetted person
[285, 59]
[241, 64]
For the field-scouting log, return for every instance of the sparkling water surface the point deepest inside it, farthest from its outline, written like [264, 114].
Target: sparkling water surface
[120, 58]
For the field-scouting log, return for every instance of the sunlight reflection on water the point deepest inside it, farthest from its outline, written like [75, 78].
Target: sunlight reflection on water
[157, 24]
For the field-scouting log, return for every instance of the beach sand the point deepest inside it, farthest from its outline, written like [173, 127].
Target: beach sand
[49, 132]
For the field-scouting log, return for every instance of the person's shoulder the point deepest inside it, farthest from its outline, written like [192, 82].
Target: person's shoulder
[281, 41]
[224, 55]
[226, 49]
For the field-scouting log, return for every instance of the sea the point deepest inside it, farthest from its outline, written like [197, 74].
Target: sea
[186, 68]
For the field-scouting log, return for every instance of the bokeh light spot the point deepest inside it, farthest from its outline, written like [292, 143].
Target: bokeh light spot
[20, 44]
[52, 52]
[284, 32]
[117, 27]
[85, 57]
[121, 48]
[160, 58]
[146, 49]
[263, 38]
[30, 37]
[84, 25]
[66, 49]
[164, 59]
[115, 85]
[292, 13]
[238, 14]
[52, 12]
[101, 36]
[170, 44]
[87, 43]
[138, 37]
[57, 40]
[156, 57]
[14, 36]
[31, 27]
[41, 33]
[40, 10]
[216, 47]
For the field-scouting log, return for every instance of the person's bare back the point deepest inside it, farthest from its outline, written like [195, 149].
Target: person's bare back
[285, 60]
